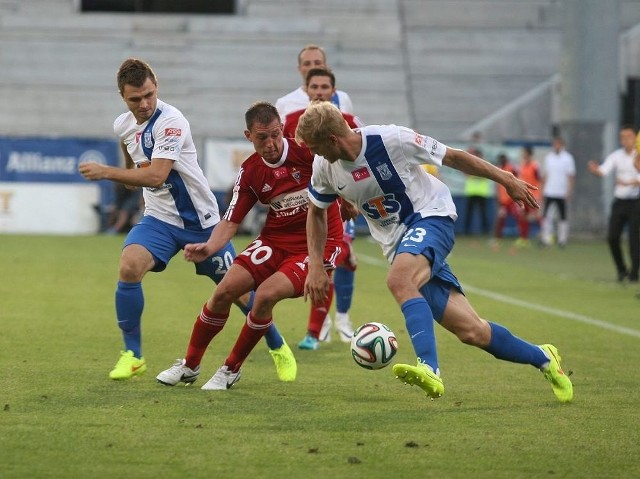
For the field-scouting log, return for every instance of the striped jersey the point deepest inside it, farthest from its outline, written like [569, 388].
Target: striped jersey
[185, 199]
[386, 182]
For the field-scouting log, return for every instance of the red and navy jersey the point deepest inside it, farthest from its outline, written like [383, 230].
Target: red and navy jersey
[283, 188]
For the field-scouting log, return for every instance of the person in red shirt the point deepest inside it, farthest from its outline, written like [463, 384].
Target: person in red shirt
[274, 264]
[506, 206]
[530, 172]
[320, 84]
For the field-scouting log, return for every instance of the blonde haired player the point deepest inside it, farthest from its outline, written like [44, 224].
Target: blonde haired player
[411, 215]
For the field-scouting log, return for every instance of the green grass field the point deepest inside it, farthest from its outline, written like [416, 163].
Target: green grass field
[62, 417]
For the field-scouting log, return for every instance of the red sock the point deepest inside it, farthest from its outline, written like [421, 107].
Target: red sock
[318, 313]
[500, 227]
[205, 328]
[252, 332]
[524, 227]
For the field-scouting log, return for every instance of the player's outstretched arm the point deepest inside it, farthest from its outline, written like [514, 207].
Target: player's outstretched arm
[220, 236]
[520, 191]
[316, 286]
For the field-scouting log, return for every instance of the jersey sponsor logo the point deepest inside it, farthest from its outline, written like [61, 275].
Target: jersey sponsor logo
[290, 201]
[360, 174]
[419, 140]
[138, 135]
[384, 171]
[280, 173]
[381, 207]
[434, 146]
[173, 131]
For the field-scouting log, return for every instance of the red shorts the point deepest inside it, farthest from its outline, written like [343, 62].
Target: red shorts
[262, 259]
[347, 258]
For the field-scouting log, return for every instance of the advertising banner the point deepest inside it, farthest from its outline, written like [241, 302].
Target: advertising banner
[41, 190]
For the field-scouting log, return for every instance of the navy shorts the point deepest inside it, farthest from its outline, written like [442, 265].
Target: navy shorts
[164, 241]
[433, 237]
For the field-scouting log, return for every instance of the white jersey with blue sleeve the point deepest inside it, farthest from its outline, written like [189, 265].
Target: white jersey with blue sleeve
[386, 182]
[185, 199]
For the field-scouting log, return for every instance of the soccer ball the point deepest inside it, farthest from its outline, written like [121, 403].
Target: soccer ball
[373, 345]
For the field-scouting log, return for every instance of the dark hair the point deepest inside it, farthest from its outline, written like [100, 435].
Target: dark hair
[528, 149]
[261, 112]
[627, 126]
[134, 72]
[320, 72]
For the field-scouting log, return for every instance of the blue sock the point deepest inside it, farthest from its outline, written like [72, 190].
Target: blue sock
[272, 337]
[129, 306]
[249, 305]
[508, 347]
[419, 321]
[343, 280]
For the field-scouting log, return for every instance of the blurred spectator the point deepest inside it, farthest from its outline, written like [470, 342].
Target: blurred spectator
[477, 191]
[530, 172]
[126, 209]
[507, 207]
[558, 180]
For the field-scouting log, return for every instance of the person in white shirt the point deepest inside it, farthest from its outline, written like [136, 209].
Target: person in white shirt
[311, 56]
[559, 173]
[411, 215]
[180, 208]
[625, 209]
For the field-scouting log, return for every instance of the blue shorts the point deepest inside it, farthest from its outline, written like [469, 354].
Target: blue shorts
[164, 241]
[433, 237]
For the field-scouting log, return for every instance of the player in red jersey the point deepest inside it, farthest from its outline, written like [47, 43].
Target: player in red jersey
[320, 84]
[275, 263]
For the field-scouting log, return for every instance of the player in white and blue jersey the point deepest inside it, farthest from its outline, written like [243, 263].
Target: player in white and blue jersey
[179, 209]
[411, 215]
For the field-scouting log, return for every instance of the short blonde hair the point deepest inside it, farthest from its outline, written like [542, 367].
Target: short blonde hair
[320, 120]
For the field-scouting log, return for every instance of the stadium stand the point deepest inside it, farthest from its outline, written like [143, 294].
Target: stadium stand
[413, 62]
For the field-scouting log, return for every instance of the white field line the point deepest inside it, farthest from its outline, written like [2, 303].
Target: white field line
[525, 304]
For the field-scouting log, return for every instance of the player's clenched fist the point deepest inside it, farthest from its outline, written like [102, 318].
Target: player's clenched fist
[91, 170]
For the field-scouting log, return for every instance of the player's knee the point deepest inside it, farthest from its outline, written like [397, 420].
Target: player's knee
[473, 336]
[223, 297]
[396, 285]
[130, 272]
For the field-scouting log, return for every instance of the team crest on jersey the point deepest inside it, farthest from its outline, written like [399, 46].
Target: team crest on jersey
[384, 171]
[296, 174]
[147, 139]
[266, 188]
